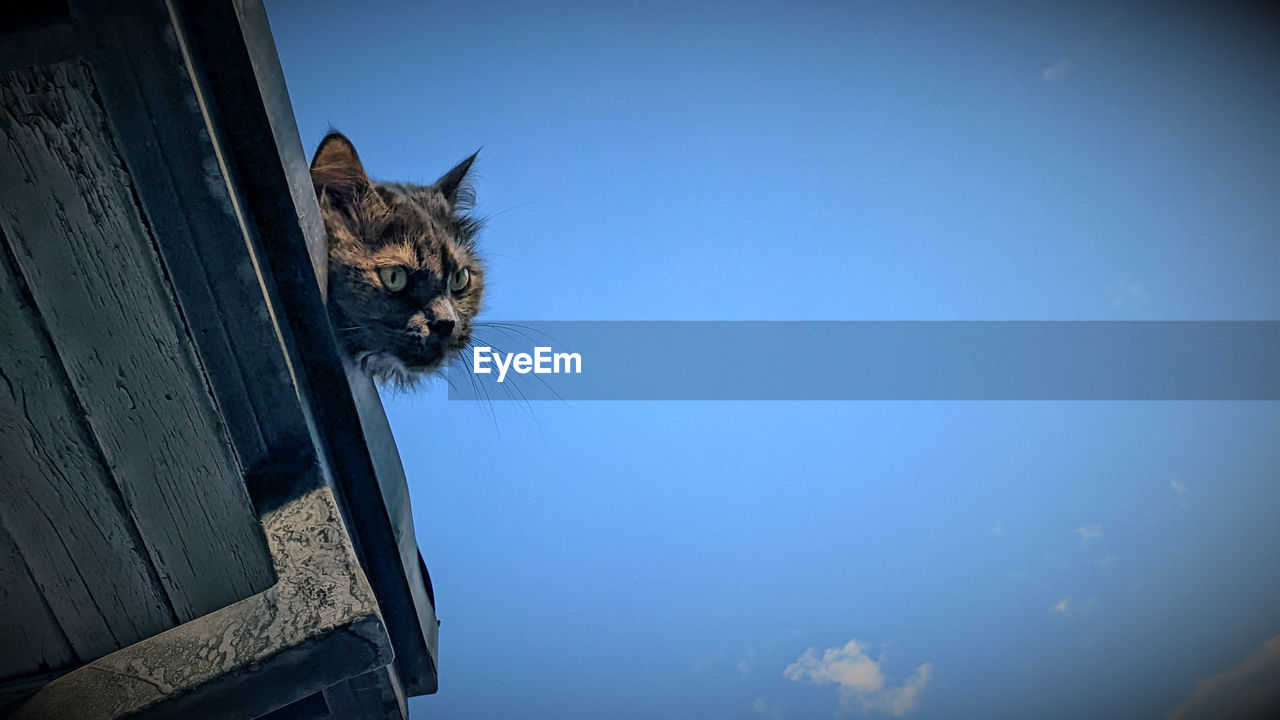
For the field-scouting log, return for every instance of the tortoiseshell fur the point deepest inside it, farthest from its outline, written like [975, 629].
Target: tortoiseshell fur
[397, 337]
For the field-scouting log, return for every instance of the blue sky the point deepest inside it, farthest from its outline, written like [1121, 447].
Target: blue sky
[822, 161]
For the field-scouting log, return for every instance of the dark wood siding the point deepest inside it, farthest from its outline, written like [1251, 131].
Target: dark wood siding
[61, 510]
[155, 450]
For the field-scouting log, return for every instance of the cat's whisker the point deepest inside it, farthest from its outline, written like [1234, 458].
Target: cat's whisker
[518, 329]
[488, 401]
[524, 400]
[490, 216]
[514, 385]
[545, 384]
[452, 388]
[478, 393]
[390, 243]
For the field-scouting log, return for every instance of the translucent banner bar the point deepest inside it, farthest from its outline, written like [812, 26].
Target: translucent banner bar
[870, 361]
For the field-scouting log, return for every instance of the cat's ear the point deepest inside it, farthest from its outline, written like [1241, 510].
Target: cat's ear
[454, 185]
[336, 171]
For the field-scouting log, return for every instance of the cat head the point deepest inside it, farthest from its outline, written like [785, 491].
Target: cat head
[405, 280]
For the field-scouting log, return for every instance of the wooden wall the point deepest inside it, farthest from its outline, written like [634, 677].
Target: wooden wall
[123, 509]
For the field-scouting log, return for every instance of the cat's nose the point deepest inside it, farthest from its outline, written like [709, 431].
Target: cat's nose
[443, 328]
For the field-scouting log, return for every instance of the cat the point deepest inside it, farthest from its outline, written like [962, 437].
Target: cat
[405, 276]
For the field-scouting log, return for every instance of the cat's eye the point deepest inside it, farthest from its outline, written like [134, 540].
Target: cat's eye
[459, 280]
[394, 277]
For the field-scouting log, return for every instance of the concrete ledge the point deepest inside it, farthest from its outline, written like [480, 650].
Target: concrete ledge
[318, 625]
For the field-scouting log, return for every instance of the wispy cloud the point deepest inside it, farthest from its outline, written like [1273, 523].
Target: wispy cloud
[1107, 560]
[1067, 606]
[1127, 293]
[1248, 690]
[997, 529]
[760, 707]
[702, 661]
[1088, 533]
[860, 683]
[744, 665]
[1056, 71]
[1178, 494]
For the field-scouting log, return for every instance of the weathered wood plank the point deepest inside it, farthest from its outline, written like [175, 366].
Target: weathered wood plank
[375, 695]
[317, 626]
[31, 642]
[62, 512]
[249, 79]
[311, 707]
[170, 135]
[231, 71]
[394, 489]
[94, 275]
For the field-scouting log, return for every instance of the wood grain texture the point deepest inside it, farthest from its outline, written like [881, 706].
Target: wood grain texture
[87, 256]
[31, 643]
[191, 206]
[375, 695]
[315, 627]
[246, 108]
[394, 488]
[62, 513]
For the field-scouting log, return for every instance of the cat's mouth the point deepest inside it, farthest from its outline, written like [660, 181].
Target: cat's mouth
[387, 368]
[403, 368]
[397, 356]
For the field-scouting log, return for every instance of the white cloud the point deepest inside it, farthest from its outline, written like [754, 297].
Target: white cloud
[706, 660]
[997, 529]
[1127, 293]
[859, 681]
[744, 665]
[1088, 532]
[1056, 71]
[1108, 560]
[1177, 486]
[760, 707]
[1248, 690]
[1067, 606]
